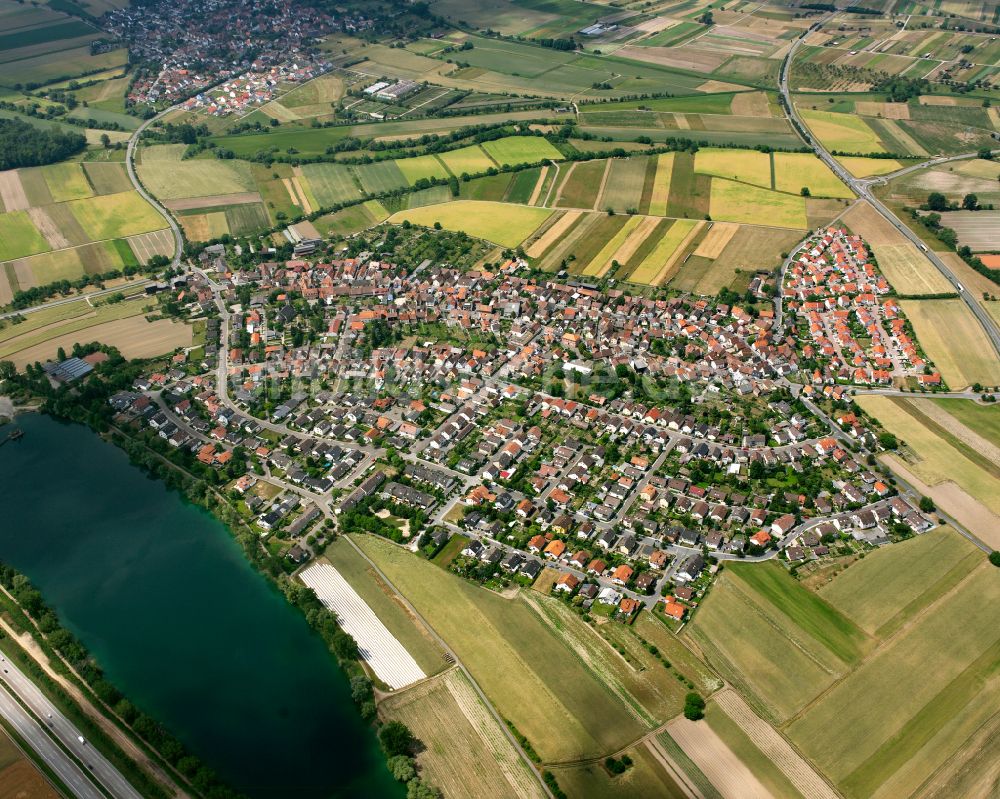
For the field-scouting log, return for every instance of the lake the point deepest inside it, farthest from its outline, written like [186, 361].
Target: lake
[178, 619]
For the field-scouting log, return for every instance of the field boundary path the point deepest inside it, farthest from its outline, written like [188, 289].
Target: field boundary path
[130, 169]
[798, 770]
[863, 187]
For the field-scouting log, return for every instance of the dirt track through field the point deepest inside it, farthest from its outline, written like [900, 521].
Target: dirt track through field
[48, 228]
[676, 773]
[553, 234]
[965, 434]
[538, 185]
[12, 192]
[775, 748]
[604, 182]
[716, 760]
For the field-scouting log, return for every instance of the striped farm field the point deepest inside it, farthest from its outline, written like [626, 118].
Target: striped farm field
[553, 234]
[503, 224]
[470, 160]
[656, 267]
[423, 166]
[380, 177]
[581, 184]
[624, 185]
[745, 166]
[660, 193]
[601, 262]
[795, 171]
[739, 202]
[331, 183]
[716, 240]
[630, 246]
[381, 651]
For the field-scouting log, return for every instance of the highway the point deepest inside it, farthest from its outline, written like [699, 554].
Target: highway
[45, 740]
[130, 168]
[863, 189]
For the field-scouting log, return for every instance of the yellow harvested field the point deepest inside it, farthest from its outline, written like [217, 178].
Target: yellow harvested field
[133, 336]
[205, 227]
[849, 134]
[715, 759]
[899, 134]
[746, 166]
[661, 185]
[909, 271]
[656, 266]
[868, 167]
[953, 338]
[936, 459]
[863, 219]
[739, 202]
[466, 752]
[870, 108]
[500, 223]
[602, 261]
[795, 171]
[555, 232]
[716, 240]
[973, 515]
[750, 104]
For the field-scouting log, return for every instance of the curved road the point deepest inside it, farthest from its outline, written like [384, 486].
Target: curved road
[130, 168]
[863, 189]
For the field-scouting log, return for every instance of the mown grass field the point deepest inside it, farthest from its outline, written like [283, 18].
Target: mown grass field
[19, 236]
[912, 704]
[795, 171]
[174, 180]
[470, 160]
[748, 630]
[500, 223]
[746, 166]
[566, 712]
[888, 587]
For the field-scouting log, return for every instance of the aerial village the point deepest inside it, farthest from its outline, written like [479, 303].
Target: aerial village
[623, 445]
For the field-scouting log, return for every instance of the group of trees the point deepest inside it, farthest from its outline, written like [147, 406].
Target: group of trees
[22, 144]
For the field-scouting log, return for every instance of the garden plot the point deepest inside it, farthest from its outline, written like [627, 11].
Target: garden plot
[379, 649]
